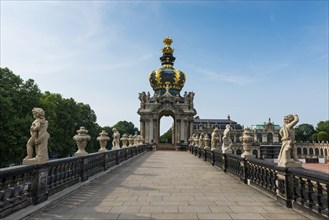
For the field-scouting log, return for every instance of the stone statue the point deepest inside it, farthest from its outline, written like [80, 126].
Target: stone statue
[288, 153]
[214, 139]
[142, 98]
[81, 140]
[103, 138]
[227, 142]
[201, 143]
[116, 139]
[38, 140]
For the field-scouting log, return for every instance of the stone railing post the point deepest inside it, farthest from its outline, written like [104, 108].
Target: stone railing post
[243, 168]
[284, 184]
[39, 185]
[84, 166]
[224, 157]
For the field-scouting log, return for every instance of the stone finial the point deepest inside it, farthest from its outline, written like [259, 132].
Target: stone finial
[131, 140]
[288, 152]
[38, 140]
[81, 140]
[103, 138]
[247, 140]
[124, 140]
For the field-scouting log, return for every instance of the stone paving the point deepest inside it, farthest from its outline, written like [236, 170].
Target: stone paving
[166, 185]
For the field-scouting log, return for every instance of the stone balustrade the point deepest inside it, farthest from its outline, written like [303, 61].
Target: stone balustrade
[296, 188]
[25, 185]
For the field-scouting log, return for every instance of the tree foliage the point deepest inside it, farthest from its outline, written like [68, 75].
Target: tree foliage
[166, 137]
[323, 126]
[323, 136]
[17, 99]
[304, 132]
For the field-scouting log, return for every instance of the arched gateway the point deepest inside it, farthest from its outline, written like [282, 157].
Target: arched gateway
[167, 82]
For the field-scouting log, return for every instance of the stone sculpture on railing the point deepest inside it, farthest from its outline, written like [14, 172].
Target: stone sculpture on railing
[214, 139]
[288, 153]
[196, 140]
[227, 142]
[38, 140]
[103, 138]
[81, 140]
[206, 141]
[201, 142]
[131, 140]
[136, 138]
[141, 139]
[124, 140]
[247, 141]
[116, 139]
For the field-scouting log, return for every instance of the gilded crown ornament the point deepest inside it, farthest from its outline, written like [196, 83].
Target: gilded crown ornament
[167, 49]
[167, 77]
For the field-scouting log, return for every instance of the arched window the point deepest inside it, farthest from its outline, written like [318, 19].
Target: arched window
[254, 152]
[259, 138]
[304, 151]
[269, 138]
[325, 152]
[321, 152]
[311, 151]
[299, 151]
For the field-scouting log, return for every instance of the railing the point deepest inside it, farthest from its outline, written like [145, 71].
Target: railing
[293, 187]
[22, 186]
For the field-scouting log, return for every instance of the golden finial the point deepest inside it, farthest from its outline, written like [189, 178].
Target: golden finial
[167, 49]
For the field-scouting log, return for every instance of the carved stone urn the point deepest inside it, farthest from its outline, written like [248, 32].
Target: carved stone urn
[206, 141]
[81, 140]
[246, 140]
[131, 140]
[103, 138]
[124, 140]
[141, 140]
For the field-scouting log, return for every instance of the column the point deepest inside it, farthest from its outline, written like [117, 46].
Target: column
[151, 131]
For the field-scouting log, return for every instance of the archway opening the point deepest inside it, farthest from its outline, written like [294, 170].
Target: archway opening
[166, 131]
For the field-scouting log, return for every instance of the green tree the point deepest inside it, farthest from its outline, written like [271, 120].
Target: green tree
[323, 136]
[166, 137]
[323, 126]
[17, 99]
[304, 132]
[315, 137]
[125, 127]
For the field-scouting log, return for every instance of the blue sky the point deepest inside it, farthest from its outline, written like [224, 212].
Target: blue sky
[253, 60]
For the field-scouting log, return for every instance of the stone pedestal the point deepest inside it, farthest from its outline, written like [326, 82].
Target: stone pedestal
[81, 140]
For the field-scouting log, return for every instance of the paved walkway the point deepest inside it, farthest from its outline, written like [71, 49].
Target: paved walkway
[166, 185]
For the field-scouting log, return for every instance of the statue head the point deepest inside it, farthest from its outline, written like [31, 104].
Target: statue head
[114, 130]
[38, 113]
[288, 118]
[216, 130]
[228, 126]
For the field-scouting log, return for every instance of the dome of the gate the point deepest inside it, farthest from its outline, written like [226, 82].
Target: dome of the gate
[167, 77]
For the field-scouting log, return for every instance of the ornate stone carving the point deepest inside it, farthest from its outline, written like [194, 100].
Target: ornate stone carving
[124, 140]
[201, 141]
[103, 138]
[81, 140]
[246, 140]
[116, 139]
[288, 153]
[131, 140]
[214, 139]
[38, 140]
[196, 140]
[227, 142]
[136, 138]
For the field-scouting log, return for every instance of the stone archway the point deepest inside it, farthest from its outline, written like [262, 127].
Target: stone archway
[167, 82]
